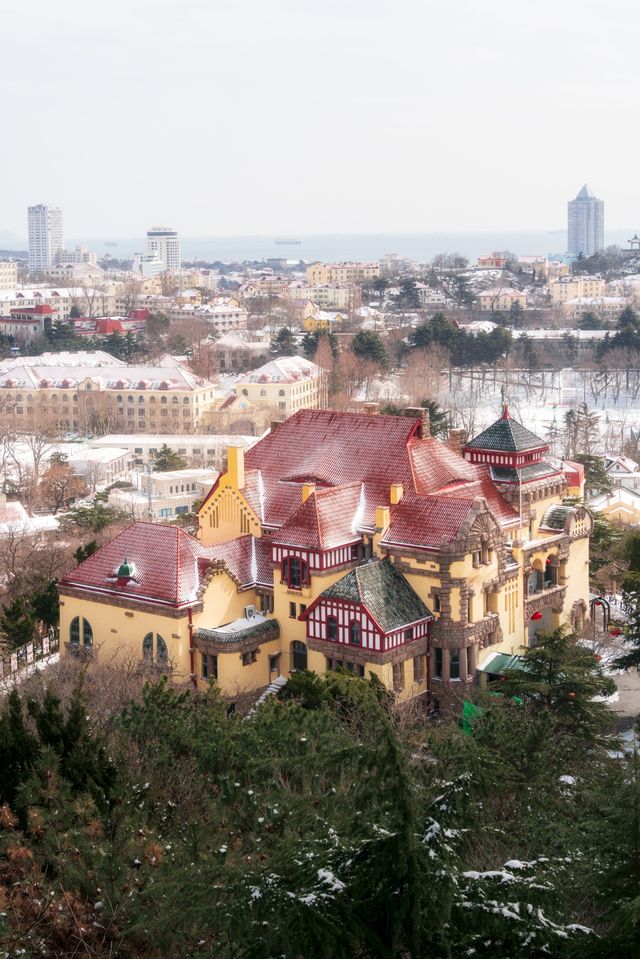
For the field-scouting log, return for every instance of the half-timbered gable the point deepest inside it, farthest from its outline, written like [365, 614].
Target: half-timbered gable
[373, 607]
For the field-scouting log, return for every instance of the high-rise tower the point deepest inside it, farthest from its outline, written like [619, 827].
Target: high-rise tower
[585, 224]
[165, 244]
[45, 236]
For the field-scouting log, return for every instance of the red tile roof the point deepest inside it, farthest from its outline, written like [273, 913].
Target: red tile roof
[248, 560]
[169, 565]
[326, 520]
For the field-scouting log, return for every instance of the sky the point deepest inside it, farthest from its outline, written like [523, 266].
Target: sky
[297, 116]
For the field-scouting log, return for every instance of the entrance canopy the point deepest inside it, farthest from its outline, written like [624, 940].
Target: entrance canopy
[497, 664]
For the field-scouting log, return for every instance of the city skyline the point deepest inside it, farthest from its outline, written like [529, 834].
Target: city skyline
[321, 119]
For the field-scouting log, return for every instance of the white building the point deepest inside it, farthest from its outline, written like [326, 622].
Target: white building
[81, 254]
[8, 274]
[147, 264]
[163, 242]
[197, 450]
[585, 224]
[162, 496]
[45, 236]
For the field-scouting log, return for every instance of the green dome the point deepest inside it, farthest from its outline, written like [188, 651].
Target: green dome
[126, 569]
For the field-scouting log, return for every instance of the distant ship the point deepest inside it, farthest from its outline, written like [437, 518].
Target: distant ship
[110, 243]
[287, 241]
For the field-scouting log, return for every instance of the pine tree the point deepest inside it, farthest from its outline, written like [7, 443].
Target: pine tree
[17, 622]
[167, 459]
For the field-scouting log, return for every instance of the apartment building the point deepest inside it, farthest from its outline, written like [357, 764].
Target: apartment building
[500, 299]
[45, 236]
[164, 495]
[326, 274]
[196, 450]
[284, 386]
[568, 287]
[94, 398]
[8, 274]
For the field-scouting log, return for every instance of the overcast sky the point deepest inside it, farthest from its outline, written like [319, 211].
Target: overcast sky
[300, 116]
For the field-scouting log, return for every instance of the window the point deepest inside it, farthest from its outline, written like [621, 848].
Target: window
[280, 392]
[274, 663]
[470, 610]
[293, 612]
[295, 572]
[209, 666]
[454, 664]
[298, 656]
[437, 662]
[332, 628]
[250, 657]
[355, 637]
[398, 677]
[154, 649]
[74, 632]
[436, 601]
[303, 608]
[418, 669]
[408, 634]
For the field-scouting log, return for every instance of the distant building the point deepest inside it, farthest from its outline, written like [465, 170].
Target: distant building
[284, 385]
[568, 287]
[165, 244]
[494, 261]
[45, 236]
[501, 299]
[8, 274]
[165, 495]
[585, 224]
[147, 264]
[321, 274]
[81, 254]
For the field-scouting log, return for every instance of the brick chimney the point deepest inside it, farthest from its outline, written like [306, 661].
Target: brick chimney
[419, 413]
[457, 440]
[371, 408]
[235, 466]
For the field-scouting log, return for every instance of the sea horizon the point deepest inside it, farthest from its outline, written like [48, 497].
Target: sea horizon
[421, 247]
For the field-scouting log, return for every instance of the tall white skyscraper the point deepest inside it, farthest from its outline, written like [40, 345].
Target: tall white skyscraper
[164, 243]
[45, 236]
[585, 224]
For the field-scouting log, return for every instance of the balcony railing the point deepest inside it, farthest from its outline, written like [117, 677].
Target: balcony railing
[552, 596]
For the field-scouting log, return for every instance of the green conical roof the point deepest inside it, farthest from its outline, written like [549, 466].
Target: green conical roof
[506, 435]
[125, 570]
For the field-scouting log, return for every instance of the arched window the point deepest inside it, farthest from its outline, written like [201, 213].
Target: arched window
[354, 633]
[263, 392]
[87, 633]
[280, 392]
[74, 631]
[163, 399]
[332, 627]
[298, 656]
[147, 647]
[154, 649]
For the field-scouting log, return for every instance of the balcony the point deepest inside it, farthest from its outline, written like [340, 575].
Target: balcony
[550, 596]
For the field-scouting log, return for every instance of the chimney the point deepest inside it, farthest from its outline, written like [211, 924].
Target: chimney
[419, 413]
[395, 493]
[457, 440]
[275, 424]
[235, 466]
[371, 408]
[307, 490]
[383, 518]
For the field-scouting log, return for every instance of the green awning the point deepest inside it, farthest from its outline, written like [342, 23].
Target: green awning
[500, 663]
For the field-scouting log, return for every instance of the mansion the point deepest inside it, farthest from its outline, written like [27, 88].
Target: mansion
[348, 540]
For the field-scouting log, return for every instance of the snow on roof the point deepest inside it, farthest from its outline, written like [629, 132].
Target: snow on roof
[112, 376]
[81, 358]
[284, 369]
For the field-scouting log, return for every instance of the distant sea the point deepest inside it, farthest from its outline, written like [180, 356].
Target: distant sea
[357, 246]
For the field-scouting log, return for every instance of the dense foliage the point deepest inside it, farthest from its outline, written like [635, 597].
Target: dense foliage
[325, 824]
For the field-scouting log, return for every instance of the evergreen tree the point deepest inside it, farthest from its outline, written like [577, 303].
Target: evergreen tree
[368, 345]
[84, 552]
[167, 459]
[597, 480]
[17, 622]
[563, 677]
[284, 343]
